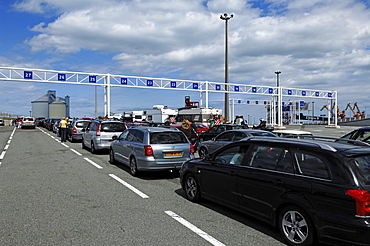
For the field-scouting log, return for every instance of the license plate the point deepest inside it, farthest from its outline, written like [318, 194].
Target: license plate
[177, 153]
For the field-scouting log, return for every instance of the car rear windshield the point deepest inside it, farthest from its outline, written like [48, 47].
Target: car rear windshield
[28, 119]
[113, 127]
[82, 124]
[363, 165]
[167, 138]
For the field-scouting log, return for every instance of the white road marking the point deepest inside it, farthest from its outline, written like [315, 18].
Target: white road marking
[76, 152]
[6, 146]
[65, 145]
[195, 229]
[141, 194]
[93, 163]
[2, 155]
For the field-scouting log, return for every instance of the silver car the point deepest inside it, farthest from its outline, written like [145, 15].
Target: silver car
[151, 148]
[98, 134]
[74, 132]
[228, 137]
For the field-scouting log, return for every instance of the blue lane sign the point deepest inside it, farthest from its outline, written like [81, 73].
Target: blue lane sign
[236, 88]
[290, 92]
[62, 77]
[256, 102]
[304, 93]
[218, 87]
[301, 103]
[92, 79]
[149, 82]
[123, 81]
[254, 89]
[329, 94]
[27, 74]
[271, 90]
[239, 101]
[173, 84]
[195, 86]
[317, 93]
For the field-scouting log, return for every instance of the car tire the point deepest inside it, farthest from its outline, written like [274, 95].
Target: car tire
[296, 227]
[112, 160]
[192, 188]
[133, 167]
[93, 149]
[202, 152]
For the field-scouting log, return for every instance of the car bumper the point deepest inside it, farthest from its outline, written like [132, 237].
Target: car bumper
[350, 232]
[151, 164]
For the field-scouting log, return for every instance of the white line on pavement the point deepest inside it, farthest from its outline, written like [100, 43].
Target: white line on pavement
[129, 186]
[195, 229]
[76, 152]
[65, 145]
[2, 155]
[93, 163]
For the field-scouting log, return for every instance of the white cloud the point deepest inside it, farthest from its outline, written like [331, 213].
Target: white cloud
[314, 43]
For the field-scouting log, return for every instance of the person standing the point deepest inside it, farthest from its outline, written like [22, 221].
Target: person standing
[189, 131]
[63, 130]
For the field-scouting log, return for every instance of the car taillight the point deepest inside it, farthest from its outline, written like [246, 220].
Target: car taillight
[97, 133]
[362, 198]
[148, 150]
[74, 130]
[192, 149]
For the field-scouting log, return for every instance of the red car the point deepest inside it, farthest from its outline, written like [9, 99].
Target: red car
[199, 127]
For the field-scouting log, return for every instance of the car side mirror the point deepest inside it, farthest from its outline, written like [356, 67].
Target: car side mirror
[114, 137]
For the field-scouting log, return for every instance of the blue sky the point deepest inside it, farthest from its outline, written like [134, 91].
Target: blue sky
[322, 45]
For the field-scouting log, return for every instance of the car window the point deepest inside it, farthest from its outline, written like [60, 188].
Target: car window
[233, 155]
[311, 165]
[263, 134]
[124, 135]
[130, 136]
[363, 165]
[227, 136]
[138, 136]
[167, 138]
[270, 157]
[239, 135]
[113, 127]
[363, 136]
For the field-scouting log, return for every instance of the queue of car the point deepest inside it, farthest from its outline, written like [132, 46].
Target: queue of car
[309, 189]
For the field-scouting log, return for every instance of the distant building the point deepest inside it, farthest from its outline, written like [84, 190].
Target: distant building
[51, 106]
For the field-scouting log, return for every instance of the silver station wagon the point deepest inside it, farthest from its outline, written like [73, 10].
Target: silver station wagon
[151, 149]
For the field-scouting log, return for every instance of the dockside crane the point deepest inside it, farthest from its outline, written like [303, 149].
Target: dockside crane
[340, 114]
[355, 114]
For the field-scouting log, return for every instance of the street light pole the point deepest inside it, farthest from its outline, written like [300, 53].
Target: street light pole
[279, 100]
[226, 18]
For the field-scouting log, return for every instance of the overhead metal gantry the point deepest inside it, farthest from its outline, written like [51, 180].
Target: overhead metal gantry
[109, 81]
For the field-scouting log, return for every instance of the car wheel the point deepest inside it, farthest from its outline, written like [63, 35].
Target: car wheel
[133, 167]
[93, 149]
[191, 187]
[296, 227]
[203, 152]
[111, 157]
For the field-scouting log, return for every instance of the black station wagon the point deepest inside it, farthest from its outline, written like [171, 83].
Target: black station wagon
[313, 191]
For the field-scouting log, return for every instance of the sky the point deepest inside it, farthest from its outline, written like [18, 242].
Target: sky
[316, 44]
